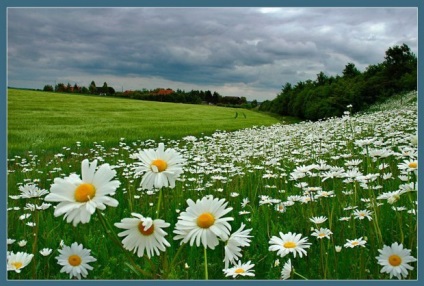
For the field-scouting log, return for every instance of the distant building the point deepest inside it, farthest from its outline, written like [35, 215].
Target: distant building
[162, 91]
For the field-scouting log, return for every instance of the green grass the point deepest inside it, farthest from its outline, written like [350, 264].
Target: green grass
[49, 121]
[253, 163]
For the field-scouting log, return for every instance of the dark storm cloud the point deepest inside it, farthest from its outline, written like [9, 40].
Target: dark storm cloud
[258, 48]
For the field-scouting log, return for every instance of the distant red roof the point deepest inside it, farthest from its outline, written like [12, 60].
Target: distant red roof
[162, 91]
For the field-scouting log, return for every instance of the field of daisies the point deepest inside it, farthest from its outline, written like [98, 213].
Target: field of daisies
[333, 199]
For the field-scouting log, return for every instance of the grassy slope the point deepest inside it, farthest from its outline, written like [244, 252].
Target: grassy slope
[49, 121]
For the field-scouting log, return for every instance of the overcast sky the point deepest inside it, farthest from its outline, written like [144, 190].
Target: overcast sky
[247, 52]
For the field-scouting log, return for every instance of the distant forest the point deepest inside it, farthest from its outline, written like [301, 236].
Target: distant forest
[157, 94]
[329, 96]
[325, 97]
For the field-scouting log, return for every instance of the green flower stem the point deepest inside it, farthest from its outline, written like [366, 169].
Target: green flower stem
[130, 197]
[35, 244]
[171, 267]
[159, 203]
[301, 276]
[322, 258]
[355, 189]
[376, 225]
[361, 265]
[402, 236]
[206, 263]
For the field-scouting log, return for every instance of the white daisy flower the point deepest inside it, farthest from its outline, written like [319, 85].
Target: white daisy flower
[281, 207]
[355, 242]
[22, 243]
[395, 259]
[10, 240]
[17, 261]
[17, 197]
[361, 214]
[399, 209]
[30, 207]
[267, 200]
[43, 206]
[289, 243]
[160, 167]
[245, 202]
[287, 270]
[24, 216]
[414, 139]
[238, 239]
[203, 222]
[318, 219]
[391, 197]
[31, 191]
[46, 251]
[74, 260]
[410, 187]
[322, 232]
[324, 194]
[242, 269]
[78, 199]
[143, 234]
[408, 165]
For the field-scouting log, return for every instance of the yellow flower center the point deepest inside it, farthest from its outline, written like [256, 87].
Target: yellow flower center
[355, 243]
[205, 220]
[289, 244]
[17, 264]
[395, 260]
[74, 260]
[321, 235]
[146, 232]
[160, 164]
[413, 165]
[84, 192]
[239, 270]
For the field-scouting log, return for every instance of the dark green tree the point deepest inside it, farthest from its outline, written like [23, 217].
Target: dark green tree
[350, 71]
[399, 61]
[208, 96]
[105, 89]
[92, 88]
[321, 79]
[48, 88]
[60, 87]
[76, 88]
[329, 96]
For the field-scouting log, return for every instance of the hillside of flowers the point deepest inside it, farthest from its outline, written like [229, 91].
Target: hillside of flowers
[332, 199]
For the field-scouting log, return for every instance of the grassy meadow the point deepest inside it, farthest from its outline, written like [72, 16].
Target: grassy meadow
[347, 185]
[47, 121]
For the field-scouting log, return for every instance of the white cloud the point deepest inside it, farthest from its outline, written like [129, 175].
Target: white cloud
[256, 50]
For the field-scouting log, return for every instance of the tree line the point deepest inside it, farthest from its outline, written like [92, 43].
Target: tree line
[329, 96]
[92, 89]
[181, 96]
[157, 94]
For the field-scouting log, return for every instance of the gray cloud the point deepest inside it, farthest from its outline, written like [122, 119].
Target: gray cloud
[257, 50]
